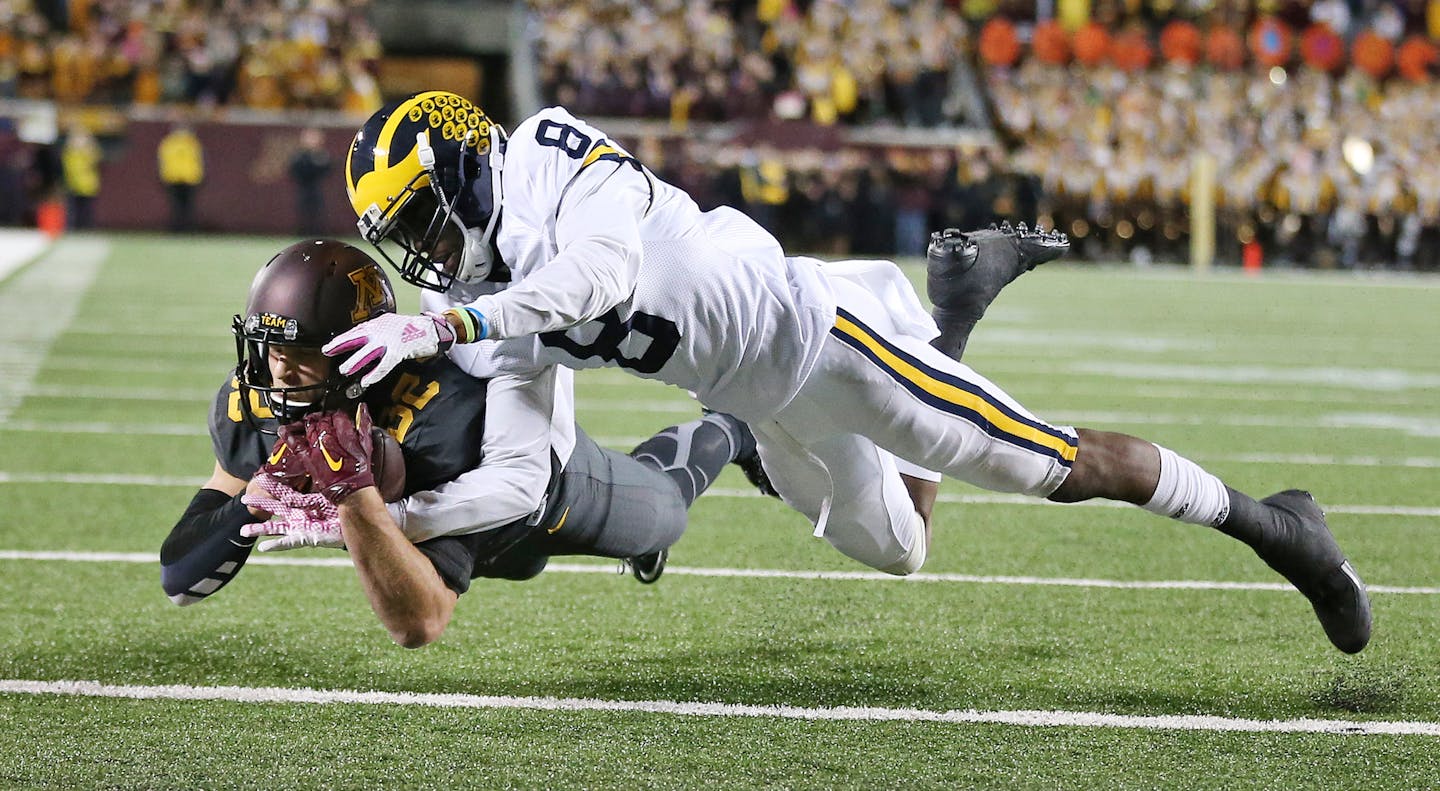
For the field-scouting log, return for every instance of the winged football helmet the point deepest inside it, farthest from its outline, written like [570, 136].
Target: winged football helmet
[424, 168]
[306, 295]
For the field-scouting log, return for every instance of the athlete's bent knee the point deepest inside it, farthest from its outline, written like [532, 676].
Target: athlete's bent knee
[911, 561]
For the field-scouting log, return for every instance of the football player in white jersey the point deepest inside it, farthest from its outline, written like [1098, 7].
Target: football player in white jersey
[562, 247]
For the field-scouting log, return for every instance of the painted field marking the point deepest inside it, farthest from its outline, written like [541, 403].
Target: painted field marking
[1383, 379]
[197, 430]
[148, 558]
[120, 479]
[1415, 425]
[1023, 718]
[37, 307]
[18, 248]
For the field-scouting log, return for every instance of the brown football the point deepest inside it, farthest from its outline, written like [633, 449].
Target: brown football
[389, 465]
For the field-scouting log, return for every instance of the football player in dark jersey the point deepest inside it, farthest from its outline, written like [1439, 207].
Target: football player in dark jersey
[498, 477]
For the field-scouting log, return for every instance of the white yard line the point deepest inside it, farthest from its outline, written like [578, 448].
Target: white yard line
[193, 429]
[149, 558]
[215, 366]
[1299, 459]
[123, 479]
[1023, 718]
[37, 306]
[1208, 391]
[1415, 425]
[1382, 379]
[197, 430]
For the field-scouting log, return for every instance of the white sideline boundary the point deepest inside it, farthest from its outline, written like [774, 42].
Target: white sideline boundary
[37, 306]
[19, 247]
[257, 559]
[1023, 718]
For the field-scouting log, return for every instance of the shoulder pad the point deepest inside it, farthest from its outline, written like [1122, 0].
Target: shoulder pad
[239, 446]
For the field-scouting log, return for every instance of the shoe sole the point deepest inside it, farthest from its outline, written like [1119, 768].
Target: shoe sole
[648, 578]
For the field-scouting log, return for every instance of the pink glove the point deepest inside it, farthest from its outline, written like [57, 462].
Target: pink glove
[386, 341]
[302, 519]
[339, 452]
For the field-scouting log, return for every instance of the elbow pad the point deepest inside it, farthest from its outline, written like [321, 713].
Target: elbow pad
[205, 549]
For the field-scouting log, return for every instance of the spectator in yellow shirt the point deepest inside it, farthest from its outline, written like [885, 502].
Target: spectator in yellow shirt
[80, 167]
[182, 169]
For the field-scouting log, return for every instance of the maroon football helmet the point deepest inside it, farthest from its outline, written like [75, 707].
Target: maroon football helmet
[306, 295]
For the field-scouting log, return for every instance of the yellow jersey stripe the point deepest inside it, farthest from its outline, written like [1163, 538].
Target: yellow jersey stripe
[604, 150]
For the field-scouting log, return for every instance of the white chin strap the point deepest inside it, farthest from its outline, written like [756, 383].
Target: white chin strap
[477, 257]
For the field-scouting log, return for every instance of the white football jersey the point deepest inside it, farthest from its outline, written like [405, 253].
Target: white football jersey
[614, 267]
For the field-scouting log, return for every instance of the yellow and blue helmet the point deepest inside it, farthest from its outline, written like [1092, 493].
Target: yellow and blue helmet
[424, 172]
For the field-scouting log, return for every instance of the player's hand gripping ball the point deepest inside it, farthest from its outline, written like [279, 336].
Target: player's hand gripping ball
[297, 461]
[343, 455]
[287, 462]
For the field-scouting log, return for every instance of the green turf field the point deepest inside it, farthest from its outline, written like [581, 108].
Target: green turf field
[1034, 652]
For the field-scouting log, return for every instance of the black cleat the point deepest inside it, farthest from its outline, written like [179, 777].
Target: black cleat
[648, 568]
[1036, 246]
[755, 473]
[965, 272]
[1304, 551]
[747, 458]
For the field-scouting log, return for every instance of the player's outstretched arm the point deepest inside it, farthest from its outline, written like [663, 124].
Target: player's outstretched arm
[205, 549]
[404, 589]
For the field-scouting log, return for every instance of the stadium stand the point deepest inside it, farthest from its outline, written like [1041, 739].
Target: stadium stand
[843, 126]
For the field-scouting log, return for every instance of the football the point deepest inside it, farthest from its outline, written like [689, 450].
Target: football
[389, 465]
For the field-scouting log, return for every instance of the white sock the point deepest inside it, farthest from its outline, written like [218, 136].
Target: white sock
[1187, 492]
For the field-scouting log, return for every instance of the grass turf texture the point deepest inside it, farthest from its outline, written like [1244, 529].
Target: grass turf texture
[1319, 382]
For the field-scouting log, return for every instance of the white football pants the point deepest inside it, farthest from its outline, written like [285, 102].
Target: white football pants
[882, 401]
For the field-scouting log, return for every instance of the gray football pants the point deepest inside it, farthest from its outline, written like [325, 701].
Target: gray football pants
[606, 504]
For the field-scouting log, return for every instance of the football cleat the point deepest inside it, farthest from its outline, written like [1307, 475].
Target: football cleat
[1304, 551]
[1036, 246]
[747, 458]
[648, 568]
[755, 473]
[965, 272]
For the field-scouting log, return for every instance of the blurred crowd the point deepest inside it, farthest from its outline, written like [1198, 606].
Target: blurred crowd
[263, 54]
[853, 61]
[1314, 117]
[1314, 167]
[1334, 166]
[864, 201]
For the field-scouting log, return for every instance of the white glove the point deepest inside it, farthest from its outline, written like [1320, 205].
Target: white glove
[300, 539]
[385, 341]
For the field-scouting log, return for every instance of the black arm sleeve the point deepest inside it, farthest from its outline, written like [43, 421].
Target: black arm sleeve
[205, 549]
